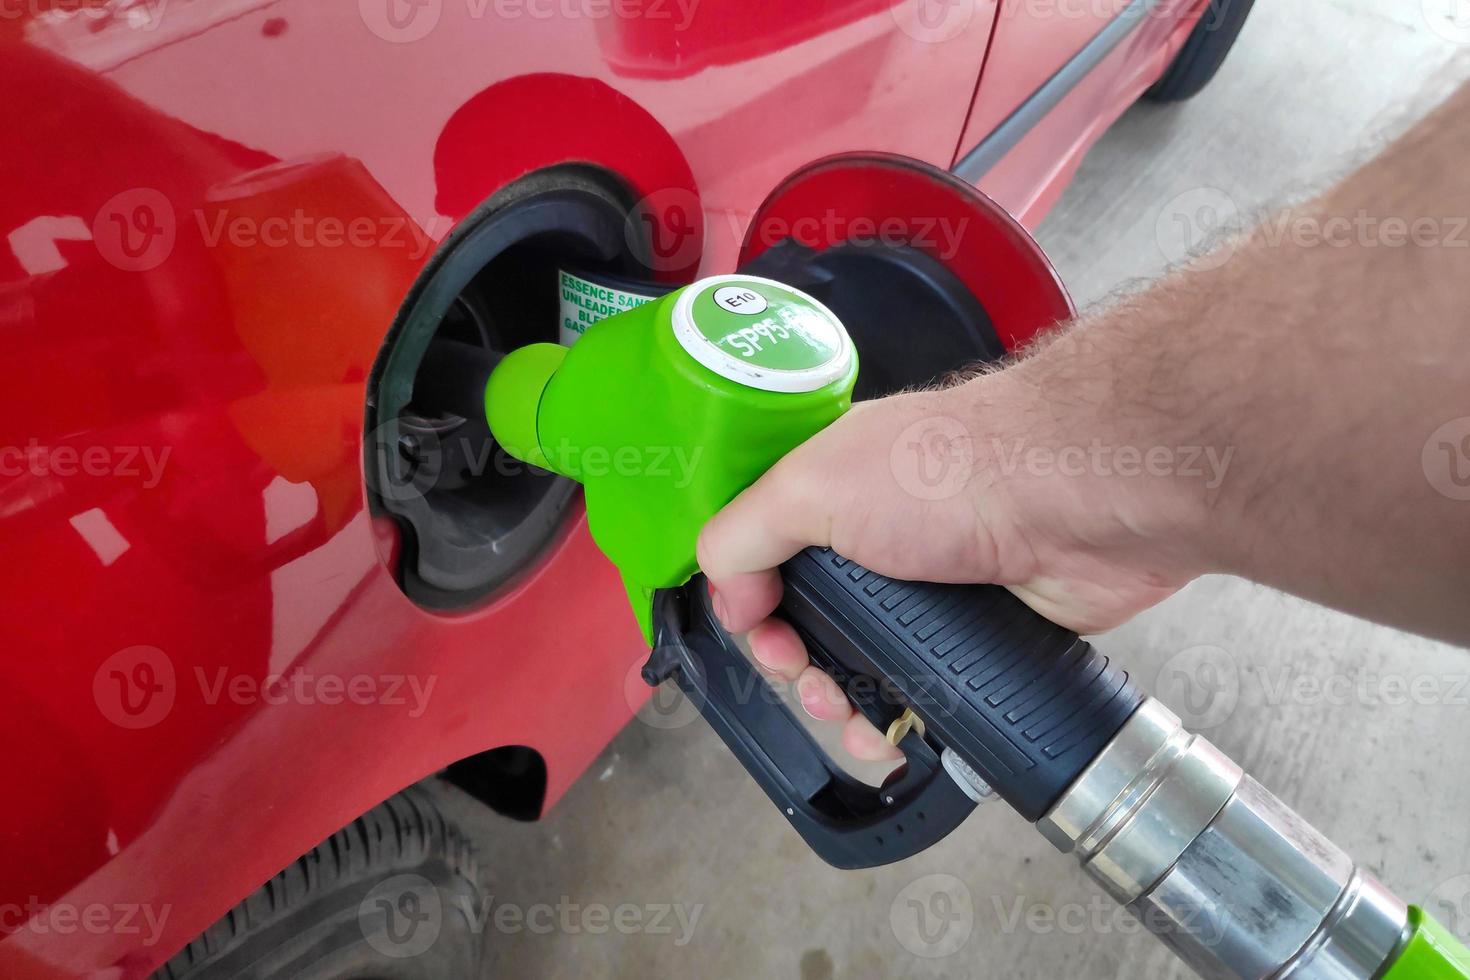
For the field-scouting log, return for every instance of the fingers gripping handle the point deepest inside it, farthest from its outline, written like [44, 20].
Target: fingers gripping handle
[848, 823]
[1025, 702]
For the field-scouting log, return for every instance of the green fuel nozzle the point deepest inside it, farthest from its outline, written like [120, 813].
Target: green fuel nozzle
[666, 411]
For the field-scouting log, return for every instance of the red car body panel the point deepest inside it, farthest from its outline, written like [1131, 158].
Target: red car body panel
[1029, 179]
[210, 666]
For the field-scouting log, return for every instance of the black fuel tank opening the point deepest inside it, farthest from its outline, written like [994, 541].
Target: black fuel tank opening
[911, 319]
[471, 516]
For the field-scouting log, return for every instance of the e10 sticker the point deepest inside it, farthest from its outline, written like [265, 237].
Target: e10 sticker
[741, 299]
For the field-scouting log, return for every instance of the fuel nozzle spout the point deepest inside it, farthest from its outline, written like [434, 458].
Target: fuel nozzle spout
[513, 398]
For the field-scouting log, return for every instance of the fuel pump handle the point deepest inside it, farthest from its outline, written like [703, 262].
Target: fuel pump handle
[1023, 702]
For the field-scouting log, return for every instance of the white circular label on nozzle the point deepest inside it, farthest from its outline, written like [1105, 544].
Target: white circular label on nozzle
[762, 334]
[742, 300]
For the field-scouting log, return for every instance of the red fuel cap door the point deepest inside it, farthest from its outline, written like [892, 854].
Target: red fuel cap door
[926, 272]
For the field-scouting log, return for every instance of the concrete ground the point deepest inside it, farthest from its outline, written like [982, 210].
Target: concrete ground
[710, 880]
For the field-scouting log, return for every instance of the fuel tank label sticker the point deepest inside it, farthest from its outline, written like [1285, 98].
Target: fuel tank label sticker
[583, 302]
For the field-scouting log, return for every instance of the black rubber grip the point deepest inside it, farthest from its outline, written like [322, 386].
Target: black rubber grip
[1027, 703]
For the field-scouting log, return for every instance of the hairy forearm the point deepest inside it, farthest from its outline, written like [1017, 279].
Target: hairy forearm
[1318, 371]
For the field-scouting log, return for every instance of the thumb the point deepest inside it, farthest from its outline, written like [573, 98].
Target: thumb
[740, 547]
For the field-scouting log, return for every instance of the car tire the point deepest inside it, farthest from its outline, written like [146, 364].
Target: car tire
[1203, 52]
[394, 895]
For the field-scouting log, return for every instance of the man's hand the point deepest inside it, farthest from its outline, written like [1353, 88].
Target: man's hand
[1291, 411]
[983, 482]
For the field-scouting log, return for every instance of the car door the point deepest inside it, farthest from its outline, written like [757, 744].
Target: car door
[1057, 74]
[1033, 39]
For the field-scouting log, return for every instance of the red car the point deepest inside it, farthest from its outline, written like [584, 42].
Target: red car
[265, 572]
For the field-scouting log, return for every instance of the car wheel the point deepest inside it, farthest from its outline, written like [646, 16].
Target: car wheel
[1203, 52]
[394, 895]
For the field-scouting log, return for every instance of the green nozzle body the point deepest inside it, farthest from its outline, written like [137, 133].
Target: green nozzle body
[666, 411]
[1431, 952]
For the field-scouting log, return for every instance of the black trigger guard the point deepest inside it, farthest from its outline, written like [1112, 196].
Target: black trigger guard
[848, 823]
